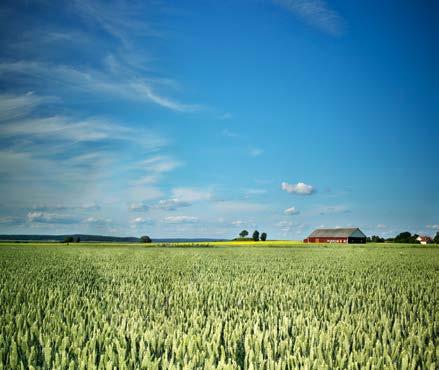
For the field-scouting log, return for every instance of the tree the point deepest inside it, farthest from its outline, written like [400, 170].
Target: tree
[376, 239]
[69, 239]
[406, 237]
[145, 239]
[436, 238]
[256, 235]
[243, 233]
[264, 237]
[78, 239]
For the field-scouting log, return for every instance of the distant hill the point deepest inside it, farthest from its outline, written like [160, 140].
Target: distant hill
[97, 238]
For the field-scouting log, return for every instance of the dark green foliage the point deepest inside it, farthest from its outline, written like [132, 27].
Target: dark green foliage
[406, 237]
[243, 233]
[375, 239]
[68, 239]
[436, 238]
[77, 239]
[256, 235]
[145, 239]
[264, 237]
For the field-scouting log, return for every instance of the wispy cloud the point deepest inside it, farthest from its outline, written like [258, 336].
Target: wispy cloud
[172, 204]
[317, 13]
[11, 220]
[181, 220]
[251, 192]
[15, 106]
[291, 211]
[98, 221]
[299, 188]
[256, 152]
[225, 116]
[229, 133]
[191, 194]
[155, 167]
[139, 207]
[67, 78]
[141, 221]
[324, 210]
[50, 218]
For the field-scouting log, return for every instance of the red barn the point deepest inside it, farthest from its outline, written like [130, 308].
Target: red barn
[338, 235]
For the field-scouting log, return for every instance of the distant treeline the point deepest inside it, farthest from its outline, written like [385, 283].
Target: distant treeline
[404, 237]
[95, 238]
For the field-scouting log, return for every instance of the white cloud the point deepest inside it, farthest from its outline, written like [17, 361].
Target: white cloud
[139, 207]
[433, 227]
[299, 188]
[141, 221]
[316, 13]
[50, 218]
[256, 152]
[291, 211]
[16, 106]
[155, 167]
[172, 204]
[180, 220]
[97, 221]
[145, 193]
[191, 194]
[92, 81]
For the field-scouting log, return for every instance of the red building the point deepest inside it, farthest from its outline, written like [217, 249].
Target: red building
[338, 235]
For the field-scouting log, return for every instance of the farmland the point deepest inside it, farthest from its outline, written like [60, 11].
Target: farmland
[218, 306]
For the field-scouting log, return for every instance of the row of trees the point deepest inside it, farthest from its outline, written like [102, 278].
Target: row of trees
[404, 237]
[256, 237]
[71, 239]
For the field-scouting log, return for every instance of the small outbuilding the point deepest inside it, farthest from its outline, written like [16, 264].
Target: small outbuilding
[424, 239]
[338, 235]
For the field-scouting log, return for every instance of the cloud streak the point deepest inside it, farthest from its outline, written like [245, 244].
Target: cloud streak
[316, 13]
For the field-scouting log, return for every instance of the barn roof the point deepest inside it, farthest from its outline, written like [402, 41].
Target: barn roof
[338, 232]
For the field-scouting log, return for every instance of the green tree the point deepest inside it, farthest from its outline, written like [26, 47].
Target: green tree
[256, 235]
[243, 233]
[145, 239]
[376, 239]
[436, 238]
[78, 239]
[403, 237]
[264, 237]
[69, 239]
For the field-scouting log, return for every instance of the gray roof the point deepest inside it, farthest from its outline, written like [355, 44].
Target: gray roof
[339, 232]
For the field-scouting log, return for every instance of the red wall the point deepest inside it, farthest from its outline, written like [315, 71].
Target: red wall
[326, 240]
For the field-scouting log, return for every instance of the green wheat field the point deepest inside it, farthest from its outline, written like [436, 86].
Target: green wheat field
[135, 307]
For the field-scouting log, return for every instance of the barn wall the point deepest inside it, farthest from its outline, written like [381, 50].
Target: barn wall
[328, 240]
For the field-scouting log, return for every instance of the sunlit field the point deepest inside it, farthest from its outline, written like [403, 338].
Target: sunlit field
[97, 306]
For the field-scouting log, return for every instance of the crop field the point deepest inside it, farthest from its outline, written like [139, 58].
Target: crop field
[82, 306]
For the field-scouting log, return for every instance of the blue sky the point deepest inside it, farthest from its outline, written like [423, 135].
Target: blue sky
[202, 118]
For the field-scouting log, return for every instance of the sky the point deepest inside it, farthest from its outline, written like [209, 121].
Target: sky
[204, 118]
